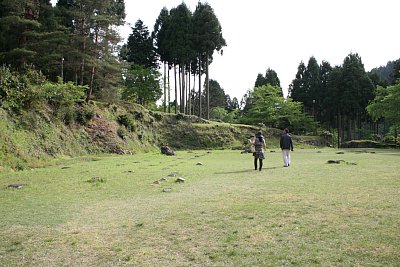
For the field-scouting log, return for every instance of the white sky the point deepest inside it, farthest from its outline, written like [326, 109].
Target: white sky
[279, 34]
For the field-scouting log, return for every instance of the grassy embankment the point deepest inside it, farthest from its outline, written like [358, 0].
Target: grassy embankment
[224, 214]
[33, 139]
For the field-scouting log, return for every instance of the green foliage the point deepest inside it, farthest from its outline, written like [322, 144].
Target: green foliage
[140, 48]
[271, 77]
[21, 91]
[221, 114]
[142, 85]
[386, 104]
[218, 113]
[128, 121]
[84, 114]
[265, 105]
[63, 94]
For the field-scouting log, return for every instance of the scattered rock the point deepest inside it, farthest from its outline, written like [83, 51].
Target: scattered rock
[167, 151]
[180, 180]
[167, 189]
[161, 180]
[66, 167]
[16, 186]
[332, 161]
[172, 175]
[199, 163]
[340, 153]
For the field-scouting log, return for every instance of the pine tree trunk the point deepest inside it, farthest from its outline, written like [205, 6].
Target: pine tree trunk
[165, 87]
[207, 89]
[169, 94]
[339, 128]
[89, 94]
[200, 87]
[176, 91]
[188, 101]
[183, 93]
[193, 92]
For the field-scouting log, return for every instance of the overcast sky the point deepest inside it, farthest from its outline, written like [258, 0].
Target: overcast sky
[279, 34]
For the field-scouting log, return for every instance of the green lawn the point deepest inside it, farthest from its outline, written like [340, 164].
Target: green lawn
[224, 214]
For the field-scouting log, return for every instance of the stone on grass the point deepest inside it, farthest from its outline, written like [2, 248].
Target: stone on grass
[180, 180]
[334, 161]
[167, 189]
[199, 163]
[166, 150]
[16, 186]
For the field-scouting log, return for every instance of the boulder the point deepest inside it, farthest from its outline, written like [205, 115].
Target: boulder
[167, 151]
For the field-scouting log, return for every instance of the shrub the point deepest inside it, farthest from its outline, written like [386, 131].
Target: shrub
[85, 114]
[128, 121]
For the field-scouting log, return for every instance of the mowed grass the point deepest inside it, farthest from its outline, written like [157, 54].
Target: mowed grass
[224, 214]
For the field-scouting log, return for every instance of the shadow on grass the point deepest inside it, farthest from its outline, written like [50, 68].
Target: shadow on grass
[247, 170]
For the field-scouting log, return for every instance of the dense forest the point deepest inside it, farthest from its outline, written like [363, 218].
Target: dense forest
[63, 57]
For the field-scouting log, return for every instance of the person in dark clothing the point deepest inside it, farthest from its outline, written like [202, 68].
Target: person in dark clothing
[259, 150]
[286, 144]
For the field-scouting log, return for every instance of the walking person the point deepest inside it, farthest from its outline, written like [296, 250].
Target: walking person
[286, 144]
[259, 150]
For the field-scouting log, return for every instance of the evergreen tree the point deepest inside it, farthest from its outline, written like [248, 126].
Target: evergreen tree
[18, 20]
[298, 86]
[140, 47]
[180, 43]
[260, 81]
[207, 37]
[159, 35]
[271, 77]
[217, 95]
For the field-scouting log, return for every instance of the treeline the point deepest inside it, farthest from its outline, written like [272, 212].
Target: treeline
[78, 40]
[338, 96]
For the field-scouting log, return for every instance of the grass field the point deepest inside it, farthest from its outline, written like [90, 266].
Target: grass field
[113, 211]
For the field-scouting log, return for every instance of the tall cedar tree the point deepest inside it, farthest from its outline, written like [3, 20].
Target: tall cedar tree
[207, 36]
[271, 77]
[159, 35]
[140, 47]
[179, 45]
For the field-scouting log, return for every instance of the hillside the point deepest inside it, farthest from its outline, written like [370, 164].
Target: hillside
[32, 139]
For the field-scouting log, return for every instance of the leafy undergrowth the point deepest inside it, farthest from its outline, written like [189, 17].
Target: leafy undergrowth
[133, 212]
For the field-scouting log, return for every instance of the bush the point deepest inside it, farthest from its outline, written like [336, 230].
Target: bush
[21, 91]
[128, 121]
[85, 114]
[122, 132]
